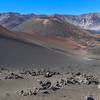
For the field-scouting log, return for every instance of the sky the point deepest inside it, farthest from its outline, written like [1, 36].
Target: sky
[50, 6]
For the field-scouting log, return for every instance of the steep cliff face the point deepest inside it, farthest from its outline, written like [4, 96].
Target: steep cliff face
[86, 21]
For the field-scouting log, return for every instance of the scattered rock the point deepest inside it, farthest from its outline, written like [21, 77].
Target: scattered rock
[13, 76]
[44, 72]
[45, 92]
[98, 86]
[45, 84]
[33, 74]
[55, 88]
[48, 74]
[63, 82]
[58, 84]
[28, 92]
[80, 78]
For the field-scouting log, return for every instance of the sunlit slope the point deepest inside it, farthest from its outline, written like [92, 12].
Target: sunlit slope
[57, 33]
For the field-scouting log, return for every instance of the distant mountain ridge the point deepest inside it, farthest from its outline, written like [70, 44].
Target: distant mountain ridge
[89, 21]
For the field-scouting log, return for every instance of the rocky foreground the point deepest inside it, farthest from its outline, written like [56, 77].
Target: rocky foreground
[25, 84]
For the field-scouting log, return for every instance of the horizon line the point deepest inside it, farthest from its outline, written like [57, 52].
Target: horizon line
[48, 14]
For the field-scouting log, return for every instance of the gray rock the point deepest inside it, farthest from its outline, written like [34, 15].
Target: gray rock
[13, 76]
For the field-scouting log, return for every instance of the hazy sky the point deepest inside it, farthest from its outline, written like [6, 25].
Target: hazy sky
[50, 6]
